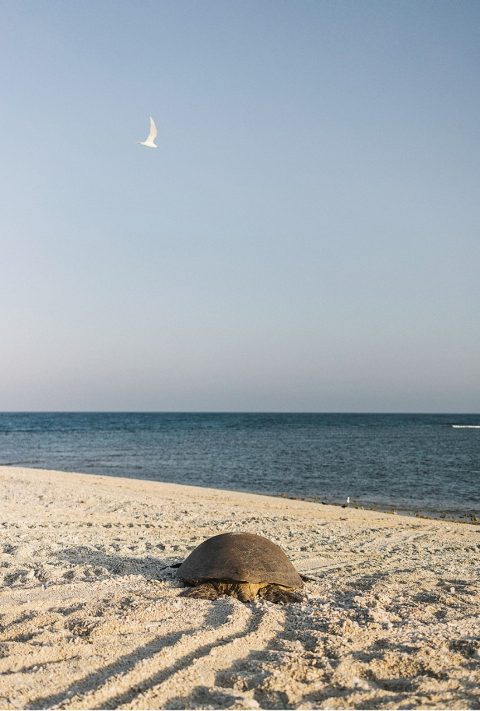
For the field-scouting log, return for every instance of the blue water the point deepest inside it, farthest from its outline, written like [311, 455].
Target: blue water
[406, 462]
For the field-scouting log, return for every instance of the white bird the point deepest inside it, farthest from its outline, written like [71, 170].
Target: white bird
[149, 141]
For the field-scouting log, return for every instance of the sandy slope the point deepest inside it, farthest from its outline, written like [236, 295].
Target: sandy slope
[91, 618]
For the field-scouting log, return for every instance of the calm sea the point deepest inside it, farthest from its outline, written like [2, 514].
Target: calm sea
[406, 462]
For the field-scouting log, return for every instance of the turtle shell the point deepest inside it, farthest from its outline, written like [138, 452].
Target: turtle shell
[239, 557]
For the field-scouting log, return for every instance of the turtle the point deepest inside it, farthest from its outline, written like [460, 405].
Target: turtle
[243, 565]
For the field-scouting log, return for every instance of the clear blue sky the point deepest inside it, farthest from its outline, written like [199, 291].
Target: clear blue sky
[306, 236]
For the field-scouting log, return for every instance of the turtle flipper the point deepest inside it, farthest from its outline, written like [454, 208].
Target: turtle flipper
[246, 592]
[277, 593]
[205, 591]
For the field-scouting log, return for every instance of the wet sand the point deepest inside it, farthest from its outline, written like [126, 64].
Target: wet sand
[91, 616]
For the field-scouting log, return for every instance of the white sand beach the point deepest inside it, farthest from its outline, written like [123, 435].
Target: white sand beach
[91, 617]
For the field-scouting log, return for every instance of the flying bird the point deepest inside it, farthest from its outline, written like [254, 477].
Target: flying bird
[149, 142]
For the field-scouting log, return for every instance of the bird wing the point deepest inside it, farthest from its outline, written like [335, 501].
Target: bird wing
[153, 130]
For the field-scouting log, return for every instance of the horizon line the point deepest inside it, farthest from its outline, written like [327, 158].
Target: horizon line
[237, 412]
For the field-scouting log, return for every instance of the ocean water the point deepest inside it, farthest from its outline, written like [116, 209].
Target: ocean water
[425, 463]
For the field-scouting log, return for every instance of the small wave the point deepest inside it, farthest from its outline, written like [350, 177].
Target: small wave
[467, 427]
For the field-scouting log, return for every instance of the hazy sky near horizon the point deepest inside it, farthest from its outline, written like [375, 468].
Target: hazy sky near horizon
[306, 236]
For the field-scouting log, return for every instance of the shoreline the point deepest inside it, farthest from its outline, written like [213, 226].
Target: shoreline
[91, 614]
[408, 462]
[473, 519]
[469, 518]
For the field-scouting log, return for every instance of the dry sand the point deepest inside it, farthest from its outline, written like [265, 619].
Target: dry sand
[90, 617]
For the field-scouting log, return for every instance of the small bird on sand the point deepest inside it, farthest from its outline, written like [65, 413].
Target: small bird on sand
[149, 141]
